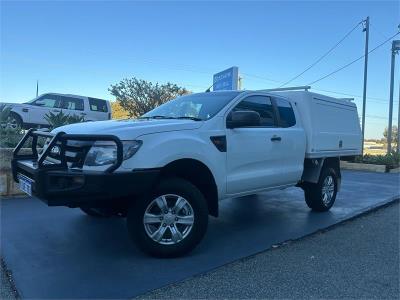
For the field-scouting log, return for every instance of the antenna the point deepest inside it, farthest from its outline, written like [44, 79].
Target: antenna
[37, 88]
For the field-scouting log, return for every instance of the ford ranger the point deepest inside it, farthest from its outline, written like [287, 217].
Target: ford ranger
[167, 170]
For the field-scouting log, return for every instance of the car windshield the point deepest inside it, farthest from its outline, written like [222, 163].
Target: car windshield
[200, 106]
[34, 99]
[30, 101]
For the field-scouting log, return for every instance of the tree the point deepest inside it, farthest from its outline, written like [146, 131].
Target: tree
[394, 134]
[118, 112]
[138, 96]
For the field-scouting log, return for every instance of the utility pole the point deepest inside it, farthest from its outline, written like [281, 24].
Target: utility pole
[395, 48]
[398, 127]
[366, 29]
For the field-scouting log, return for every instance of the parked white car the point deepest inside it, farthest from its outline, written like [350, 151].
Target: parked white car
[167, 170]
[32, 113]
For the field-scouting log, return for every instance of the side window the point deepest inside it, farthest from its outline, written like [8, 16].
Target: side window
[260, 104]
[286, 113]
[98, 105]
[72, 103]
[49, 101]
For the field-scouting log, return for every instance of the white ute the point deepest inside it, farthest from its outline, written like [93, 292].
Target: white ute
[167, 170]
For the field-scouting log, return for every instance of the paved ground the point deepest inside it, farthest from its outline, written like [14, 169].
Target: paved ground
[63, 247]
[358, 259]
[7, 289]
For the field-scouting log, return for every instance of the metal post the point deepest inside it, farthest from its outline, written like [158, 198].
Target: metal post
[37, 88]
[366, 29]
[398, 126]
[389, 135]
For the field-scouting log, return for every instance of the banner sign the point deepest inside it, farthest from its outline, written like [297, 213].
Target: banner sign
[226, 80]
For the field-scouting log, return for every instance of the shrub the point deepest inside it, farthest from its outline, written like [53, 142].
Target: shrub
[9, 137]
[118, 112]
[390, 160]
[4, 114]
[61, 119]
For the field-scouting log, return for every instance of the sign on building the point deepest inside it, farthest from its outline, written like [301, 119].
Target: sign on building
[226, 80]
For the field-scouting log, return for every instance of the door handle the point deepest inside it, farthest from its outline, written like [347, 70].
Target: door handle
[276, 138]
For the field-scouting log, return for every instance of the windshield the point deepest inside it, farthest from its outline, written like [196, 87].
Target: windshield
[200, 106]
[30, 101]
[34, 99]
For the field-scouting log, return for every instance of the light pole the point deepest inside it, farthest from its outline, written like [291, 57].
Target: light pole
[366, 29]
[395, 48]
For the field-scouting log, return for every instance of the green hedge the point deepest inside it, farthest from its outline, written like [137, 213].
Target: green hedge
[389, 160]
[10, 137]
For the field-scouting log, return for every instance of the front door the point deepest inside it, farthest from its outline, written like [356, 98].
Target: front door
[42, 107]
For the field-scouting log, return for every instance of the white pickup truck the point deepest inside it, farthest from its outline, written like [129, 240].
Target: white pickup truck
[167, 170]
[32, 113]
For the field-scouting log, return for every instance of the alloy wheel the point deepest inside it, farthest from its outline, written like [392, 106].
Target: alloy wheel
[168, 219]
[328, 190]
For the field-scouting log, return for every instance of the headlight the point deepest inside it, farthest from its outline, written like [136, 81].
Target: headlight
[105, 153]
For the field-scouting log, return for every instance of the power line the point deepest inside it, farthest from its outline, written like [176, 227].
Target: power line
[354, 61]
[323, 56]
[376, 99]
[262, 78]
[381, 100]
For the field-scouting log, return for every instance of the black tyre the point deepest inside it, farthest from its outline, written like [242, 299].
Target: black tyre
[102, 212]
[171, 221]
[14, 121]
[322, 195]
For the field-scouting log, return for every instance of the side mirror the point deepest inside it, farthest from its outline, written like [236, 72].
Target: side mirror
[39, 102]
[243, 118]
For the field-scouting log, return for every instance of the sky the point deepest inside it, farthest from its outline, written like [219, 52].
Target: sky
[82, 47]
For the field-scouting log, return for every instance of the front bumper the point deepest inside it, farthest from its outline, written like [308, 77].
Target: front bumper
[60, 185]
[77, 188]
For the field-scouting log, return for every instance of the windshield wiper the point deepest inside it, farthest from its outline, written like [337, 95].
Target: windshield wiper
[156, 117]
[167, 117]
[190, 118]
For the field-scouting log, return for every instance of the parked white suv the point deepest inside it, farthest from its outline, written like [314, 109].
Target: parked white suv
[167, 170]
[32, 113]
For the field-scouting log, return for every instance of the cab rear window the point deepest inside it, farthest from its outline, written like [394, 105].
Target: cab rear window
[286, 113]
[98, 105]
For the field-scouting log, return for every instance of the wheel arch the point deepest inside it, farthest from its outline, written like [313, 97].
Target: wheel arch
[198, 174]
[14, 113]
[313, 167]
